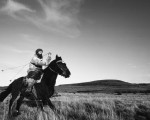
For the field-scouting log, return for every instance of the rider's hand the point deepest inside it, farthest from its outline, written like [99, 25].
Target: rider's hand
[49, 56]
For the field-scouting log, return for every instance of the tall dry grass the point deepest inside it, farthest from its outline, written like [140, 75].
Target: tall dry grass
[89, 107]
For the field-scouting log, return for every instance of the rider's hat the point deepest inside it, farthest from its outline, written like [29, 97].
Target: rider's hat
[39, 49]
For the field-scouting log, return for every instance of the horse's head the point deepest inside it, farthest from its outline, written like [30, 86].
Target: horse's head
[59, 67]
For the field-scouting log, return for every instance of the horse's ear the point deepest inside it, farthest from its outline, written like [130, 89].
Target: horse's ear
[57, 57]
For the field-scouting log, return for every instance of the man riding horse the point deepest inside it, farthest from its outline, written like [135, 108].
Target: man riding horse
[42, 91]
[35, 69]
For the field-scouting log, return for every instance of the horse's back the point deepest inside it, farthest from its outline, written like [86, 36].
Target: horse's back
[17, 84]
[18, 81]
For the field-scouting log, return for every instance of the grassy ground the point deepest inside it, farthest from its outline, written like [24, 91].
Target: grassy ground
[87, 107]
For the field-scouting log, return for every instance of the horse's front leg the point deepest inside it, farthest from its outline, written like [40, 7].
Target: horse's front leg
[56, 112]
[51, 105]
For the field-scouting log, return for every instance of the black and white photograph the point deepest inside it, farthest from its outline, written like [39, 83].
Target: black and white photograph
[74, 60]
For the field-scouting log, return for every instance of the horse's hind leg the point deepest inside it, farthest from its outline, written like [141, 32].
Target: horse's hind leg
[34, 94]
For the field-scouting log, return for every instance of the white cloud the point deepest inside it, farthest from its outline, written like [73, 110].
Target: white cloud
[132, 65]
[31, 39]
[52, 12]
[20, 51]
[59, 16]
[9, 47]
[15, 9]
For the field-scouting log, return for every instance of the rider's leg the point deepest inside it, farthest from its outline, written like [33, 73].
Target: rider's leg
[32, 78]
[30, 82]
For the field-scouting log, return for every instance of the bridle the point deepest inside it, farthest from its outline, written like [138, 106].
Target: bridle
[57, 65]
[52, 70]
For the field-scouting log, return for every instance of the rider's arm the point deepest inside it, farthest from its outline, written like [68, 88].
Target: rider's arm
[38, 61]
[48, 60]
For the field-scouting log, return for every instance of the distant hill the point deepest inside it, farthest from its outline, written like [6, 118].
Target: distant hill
[104, 86]
[110, 82]
[2, 88]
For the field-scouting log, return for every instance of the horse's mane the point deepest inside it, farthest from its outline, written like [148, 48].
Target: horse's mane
[53, 61]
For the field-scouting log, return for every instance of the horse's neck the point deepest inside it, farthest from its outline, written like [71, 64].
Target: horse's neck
[49, 78]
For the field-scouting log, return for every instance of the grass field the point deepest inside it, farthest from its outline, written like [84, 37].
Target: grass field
[79, 106]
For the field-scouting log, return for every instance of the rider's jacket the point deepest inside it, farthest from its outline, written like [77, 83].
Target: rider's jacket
[37, 63]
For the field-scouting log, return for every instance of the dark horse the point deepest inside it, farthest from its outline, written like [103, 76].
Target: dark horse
[44, 89]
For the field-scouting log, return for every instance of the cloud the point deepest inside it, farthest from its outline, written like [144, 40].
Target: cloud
[19, 51]
[15, 9]
[36, 40]
[59, 16]
[8, 47]
[132, 66]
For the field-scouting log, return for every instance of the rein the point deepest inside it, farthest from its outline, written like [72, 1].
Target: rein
[52, 70]
[57, 65]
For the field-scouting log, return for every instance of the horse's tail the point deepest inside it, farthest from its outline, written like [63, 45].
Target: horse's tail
[5, 93]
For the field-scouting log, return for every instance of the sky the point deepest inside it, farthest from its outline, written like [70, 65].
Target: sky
[98, 39]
